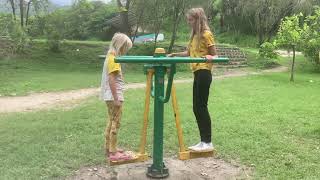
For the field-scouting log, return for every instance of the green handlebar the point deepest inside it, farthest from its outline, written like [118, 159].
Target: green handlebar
[168, 60]
[169, 86]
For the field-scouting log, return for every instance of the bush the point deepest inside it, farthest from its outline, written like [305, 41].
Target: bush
[310, 37]
[14, 33]
[255, 60]
[267, 50]
[238, 39]
[146, 49]
[53, 40]
[55, 30]
[311, 50]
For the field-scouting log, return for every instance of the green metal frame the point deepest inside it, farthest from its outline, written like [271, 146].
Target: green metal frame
[161, 64]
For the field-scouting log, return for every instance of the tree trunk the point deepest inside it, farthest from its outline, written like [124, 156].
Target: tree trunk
[157, 24]
[174, 30]
[13, 9]
[138, 22]
[21, 12]
[27, 15]
[173, 37]
[260, 30]
[124, 17]
[179, 8]
[222, 22]
[293, 61]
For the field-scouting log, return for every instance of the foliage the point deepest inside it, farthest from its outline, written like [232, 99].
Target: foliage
[267, 50]
[55, 30]
[14, 32]
[254, 60]
[243, 40]
[289, 35]
[36, 25]
[311, 36]
[261, 18]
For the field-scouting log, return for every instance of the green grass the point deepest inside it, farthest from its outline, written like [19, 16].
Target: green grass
[103, 43]
[263, 121]
[39, 70]
[238, 39]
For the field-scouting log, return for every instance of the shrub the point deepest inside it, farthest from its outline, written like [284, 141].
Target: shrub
[267, 50]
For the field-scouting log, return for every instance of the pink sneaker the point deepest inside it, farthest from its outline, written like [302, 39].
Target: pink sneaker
[117, 156]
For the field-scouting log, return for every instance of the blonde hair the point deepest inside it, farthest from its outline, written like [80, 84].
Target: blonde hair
[201, 23]
[120, 44]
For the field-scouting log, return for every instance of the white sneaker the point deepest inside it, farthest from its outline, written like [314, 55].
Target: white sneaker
[194, 146]
[204, 147]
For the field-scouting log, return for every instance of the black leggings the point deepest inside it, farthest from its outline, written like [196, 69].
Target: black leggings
[201, 87]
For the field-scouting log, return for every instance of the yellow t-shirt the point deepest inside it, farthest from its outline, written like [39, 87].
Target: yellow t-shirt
[112, 66]
[206, 41]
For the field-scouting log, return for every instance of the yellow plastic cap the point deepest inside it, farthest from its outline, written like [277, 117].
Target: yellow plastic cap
[159, 51]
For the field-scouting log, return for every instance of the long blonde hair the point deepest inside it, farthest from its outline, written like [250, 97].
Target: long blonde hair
[120, 44]
[201, 23]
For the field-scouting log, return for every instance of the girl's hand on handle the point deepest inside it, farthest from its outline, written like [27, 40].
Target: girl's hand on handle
[171, 55]
[210, 58]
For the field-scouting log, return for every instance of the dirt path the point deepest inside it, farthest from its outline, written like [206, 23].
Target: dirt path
[287, 53]
[194, 169]
[68, 99]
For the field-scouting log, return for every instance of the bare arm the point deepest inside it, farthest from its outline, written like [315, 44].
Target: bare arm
[113, 88]
[213, 50]
[211, 54]
[180, 54]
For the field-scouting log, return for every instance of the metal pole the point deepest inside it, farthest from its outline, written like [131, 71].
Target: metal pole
[158, 169]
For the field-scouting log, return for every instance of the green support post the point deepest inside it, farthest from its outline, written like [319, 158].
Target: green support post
[160, 63]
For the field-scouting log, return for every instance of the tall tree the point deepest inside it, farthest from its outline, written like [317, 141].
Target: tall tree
[124, 15]
[38, 6]
[21, 5]
[178, 9]
[13, 8]
[289, 35]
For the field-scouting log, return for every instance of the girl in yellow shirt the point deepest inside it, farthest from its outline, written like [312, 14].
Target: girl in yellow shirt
[201, 45]
[112, 87]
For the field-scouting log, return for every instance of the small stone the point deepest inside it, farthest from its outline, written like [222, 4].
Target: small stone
[204, 174]
[95, 169]
[89, 169]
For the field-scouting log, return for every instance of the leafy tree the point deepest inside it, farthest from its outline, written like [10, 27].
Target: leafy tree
[289, 35]
[55, 30]
[267, 50]
[178, 8]
[97, 25]
[261, 17]
[311, 36]
[78, 20]
[124, 7]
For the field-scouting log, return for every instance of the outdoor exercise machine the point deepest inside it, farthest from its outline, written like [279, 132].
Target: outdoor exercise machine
[158, 66]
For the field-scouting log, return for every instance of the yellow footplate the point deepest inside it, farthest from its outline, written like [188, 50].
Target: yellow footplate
[185, 155]
[200, 154]
[135, 157]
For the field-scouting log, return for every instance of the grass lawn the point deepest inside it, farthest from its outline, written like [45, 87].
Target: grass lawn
[39, 70]
[262, 121]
